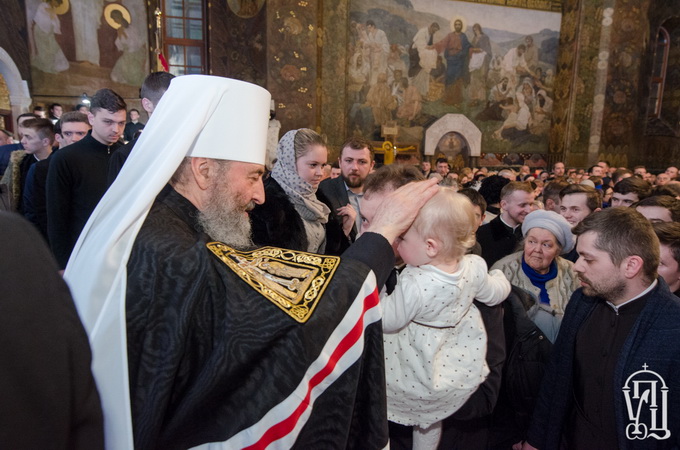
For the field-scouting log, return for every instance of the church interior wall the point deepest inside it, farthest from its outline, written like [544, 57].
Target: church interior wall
[625, 108]
[14, 61]
[237, 44]
[293, 62]
[80, 46]
[303, 51]
[14, 37]
[661, 136]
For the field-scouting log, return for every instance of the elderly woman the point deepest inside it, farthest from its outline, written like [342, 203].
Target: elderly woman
[539, 270]
[291, 216]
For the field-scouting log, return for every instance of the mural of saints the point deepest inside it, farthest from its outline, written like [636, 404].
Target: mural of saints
[47, 54]
[130, 67]
[86, 22]
[497, 72]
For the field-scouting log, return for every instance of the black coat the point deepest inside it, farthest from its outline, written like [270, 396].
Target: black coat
[528, 353]
[497, 241]
[276, 222]
[76, 181]
[117, 160]
[49, 397]
[333, 193]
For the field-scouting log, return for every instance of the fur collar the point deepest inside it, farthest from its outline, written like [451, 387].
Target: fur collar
[276, 222]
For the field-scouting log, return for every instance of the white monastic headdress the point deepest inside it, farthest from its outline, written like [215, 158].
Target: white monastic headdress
[200, 116]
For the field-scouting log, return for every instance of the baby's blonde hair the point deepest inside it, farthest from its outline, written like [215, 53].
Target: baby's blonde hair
[449, 218]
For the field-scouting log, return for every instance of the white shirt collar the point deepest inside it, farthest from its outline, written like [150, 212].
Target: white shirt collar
[641, 294]
[506, 223]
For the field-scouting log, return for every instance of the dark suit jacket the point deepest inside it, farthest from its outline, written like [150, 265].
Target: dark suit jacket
[333, 193]
[652, 342]
[497, 241]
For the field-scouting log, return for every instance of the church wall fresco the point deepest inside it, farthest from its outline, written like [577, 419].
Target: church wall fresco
[238, 40]
[293, 51]
[313, 57]
[333, 117]
[14, 36]
[79, 46]
[621, 138]
[605, 120]
[561, 133]
[411, 62]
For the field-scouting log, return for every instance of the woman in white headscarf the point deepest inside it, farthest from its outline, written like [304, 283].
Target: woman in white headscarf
[291, 216]
[539, 271]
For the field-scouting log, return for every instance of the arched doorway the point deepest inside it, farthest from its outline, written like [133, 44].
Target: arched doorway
[19, 96]
[457, 132]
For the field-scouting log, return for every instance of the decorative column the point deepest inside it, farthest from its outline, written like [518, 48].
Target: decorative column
[600, 88]
[598, 107]
[293, 47]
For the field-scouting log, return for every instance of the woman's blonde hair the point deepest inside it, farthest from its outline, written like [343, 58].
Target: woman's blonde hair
[304, 138]
[449, 218]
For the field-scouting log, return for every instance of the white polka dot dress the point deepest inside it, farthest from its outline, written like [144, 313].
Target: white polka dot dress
[435, 341]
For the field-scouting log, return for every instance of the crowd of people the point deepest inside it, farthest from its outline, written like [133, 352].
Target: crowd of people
[230, 304]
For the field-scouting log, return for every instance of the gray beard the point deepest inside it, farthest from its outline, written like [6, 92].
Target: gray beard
[223, 220]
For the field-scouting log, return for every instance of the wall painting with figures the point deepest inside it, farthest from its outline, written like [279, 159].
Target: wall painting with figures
[414, 61]
[82, 45]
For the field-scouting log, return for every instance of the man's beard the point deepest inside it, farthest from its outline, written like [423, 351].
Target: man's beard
[610, 290]
[357, 182]
[224, 218]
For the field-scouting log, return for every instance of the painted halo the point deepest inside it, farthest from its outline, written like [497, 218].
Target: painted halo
[110, 8]
[63, 8]
[462, 19]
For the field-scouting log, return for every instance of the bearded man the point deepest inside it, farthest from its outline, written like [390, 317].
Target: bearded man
[613, 381]
[198, 342]
[342, 194]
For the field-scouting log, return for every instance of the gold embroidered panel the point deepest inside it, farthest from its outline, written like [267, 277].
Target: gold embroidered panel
[4, 95]
[292, 280]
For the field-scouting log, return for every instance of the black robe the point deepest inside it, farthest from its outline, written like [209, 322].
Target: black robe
[209, 356]
[76, 181]
[48, 397]
[131, 130]
[118, 159]
[497, 240]
[35, 207]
